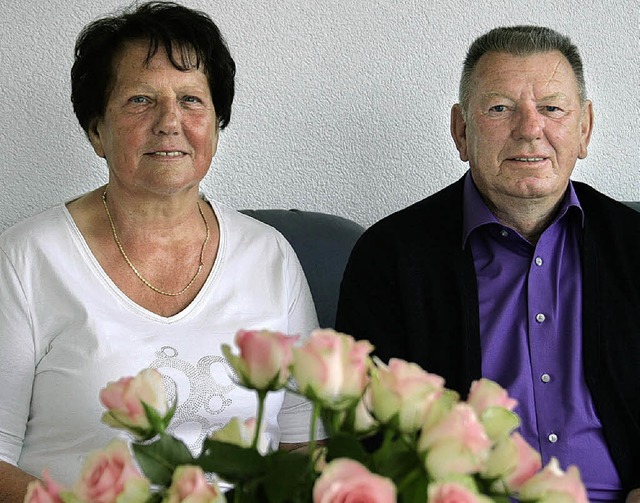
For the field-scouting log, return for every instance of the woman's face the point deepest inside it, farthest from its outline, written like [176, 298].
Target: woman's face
[159, 131]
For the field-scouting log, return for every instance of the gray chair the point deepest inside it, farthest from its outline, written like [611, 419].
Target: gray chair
[633, 204]
[323, 244]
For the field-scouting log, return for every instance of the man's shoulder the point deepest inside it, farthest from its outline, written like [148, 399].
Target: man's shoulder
[602, 210]
[440, 210]
[431, 227]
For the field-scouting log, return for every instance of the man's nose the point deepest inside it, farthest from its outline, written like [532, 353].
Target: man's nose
[529, 123]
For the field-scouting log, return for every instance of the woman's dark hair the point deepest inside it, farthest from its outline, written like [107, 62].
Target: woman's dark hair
[182, 32]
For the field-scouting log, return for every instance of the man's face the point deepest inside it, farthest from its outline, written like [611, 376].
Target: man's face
[524, 128]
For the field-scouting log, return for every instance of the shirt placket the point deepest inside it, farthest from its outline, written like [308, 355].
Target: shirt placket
[542, 320]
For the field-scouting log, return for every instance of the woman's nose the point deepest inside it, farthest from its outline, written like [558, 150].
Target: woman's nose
[168, 118]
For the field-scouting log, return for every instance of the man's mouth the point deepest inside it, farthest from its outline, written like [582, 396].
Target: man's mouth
[528, 159]
[164, 153]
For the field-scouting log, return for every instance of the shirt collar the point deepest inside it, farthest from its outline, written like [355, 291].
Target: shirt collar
[476, 213]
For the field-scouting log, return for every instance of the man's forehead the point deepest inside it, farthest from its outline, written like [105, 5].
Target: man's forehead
[549, 59]
[492, 94]
[549, 69]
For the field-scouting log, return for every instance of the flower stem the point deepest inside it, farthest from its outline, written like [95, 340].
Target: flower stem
[408, 479]
[387, 439]
[262, 395]
[312, 434]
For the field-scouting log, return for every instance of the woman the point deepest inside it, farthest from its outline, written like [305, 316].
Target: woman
[141, 272]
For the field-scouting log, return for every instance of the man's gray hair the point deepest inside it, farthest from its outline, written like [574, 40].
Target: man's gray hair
[519, 41]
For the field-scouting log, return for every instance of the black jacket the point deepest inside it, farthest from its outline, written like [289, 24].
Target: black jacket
[410, 289]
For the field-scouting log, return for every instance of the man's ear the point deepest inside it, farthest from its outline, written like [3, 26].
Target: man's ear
[586, 127]
[459, 131]
[95, 138]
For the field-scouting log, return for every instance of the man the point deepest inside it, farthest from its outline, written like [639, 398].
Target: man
[514, 272]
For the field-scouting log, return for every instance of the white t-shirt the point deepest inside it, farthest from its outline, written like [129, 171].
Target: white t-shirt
[66, 330]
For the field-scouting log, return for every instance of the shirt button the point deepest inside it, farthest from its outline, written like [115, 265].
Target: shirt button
[540, 317]
[538, 261]
[545, 378]
[504, 233]
[553, 438]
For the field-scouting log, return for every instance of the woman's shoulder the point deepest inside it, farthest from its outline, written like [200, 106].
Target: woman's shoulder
[243, 237]
[239, 224]
[42, 226]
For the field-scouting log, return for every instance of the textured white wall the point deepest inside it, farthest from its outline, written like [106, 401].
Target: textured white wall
[341, 106]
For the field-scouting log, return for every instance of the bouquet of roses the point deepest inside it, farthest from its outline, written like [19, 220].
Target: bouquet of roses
[431, 446]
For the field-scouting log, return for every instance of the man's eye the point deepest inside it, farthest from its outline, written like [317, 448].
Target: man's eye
[191, 99]
[139, 99]
[498, 108]
[551, 108]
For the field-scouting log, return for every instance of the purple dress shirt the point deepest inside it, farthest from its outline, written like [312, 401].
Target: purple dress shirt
[530, 301]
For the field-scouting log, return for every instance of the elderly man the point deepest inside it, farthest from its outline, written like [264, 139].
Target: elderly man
[515, 272]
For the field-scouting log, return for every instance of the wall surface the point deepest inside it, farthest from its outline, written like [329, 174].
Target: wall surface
[341, 106]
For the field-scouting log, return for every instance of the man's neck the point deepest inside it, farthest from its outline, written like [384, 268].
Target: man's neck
[529, 217]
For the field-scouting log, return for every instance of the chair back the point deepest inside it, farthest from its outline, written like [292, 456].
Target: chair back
[633, 204]
[323, 243]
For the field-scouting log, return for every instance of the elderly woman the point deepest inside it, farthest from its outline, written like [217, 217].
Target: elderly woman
[141, 272]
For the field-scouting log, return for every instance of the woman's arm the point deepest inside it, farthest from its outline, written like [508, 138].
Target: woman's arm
[633, 496]
[302, 447]
[17, 369]
[13, 483]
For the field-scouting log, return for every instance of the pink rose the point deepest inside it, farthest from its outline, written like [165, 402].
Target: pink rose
[110, 474]
[457, 444]
[485, 393]
[46, 491]
[552, 484]
[453, 492]
[265, 356]
[356, 419]
[514, 462]
[403, 392]
[123, 400]
[494, 408]
[363, 422]
[189, 485]
[332, 368]
[345, 480]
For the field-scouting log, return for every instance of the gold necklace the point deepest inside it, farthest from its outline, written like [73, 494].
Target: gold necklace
[124, 255]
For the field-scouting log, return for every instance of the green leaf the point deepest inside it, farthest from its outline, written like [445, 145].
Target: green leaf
[415, 491]
[287, 475]
[244, 495]
[169, 415]
[155, 420]
[155, 498]
[231, 462]
[69, 497]
[395, 459]
[344, 445]
[159, 459]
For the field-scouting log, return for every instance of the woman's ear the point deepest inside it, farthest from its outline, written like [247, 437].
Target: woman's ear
[458, 129]
[95, 137]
